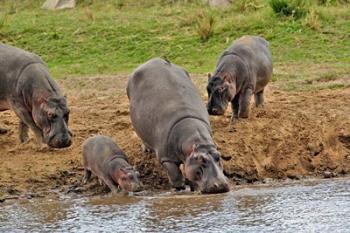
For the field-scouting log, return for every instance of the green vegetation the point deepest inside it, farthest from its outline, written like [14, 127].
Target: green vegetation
[112, 36]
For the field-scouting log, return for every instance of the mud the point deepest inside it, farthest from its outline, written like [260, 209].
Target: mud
[295, 135]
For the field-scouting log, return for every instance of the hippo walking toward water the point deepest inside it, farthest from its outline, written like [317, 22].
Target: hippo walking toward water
[170, 117]
[27, 88]
[243, 69]
[103, 158]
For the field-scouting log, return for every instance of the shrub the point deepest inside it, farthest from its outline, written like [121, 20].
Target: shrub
[205, 26]
[312, 20]
[294, 8]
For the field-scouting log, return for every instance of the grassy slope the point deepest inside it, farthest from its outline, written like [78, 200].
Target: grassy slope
[98, 38]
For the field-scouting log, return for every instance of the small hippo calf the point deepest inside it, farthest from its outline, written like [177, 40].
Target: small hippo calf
[243, 69]
[27, 88]
[103, 158]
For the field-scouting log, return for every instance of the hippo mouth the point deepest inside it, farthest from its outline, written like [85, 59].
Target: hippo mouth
[61, 141]
[216, 111]
[216, 189]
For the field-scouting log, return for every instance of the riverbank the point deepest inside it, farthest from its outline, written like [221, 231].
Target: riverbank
[296, 135]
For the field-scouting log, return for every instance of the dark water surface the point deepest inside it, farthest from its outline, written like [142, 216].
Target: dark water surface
[307, 206]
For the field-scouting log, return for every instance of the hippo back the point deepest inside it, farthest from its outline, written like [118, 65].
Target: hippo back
[162, 94]
[254, 50]
[12, 63]
[100, 148]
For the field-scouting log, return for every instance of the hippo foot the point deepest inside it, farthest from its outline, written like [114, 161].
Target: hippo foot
[180, 189]
[3, 131]
[146, 149]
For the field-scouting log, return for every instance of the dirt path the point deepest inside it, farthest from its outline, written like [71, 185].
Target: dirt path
[294, 135]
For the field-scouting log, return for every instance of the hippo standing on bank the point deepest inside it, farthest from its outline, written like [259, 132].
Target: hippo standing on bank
[170, 117]
[243, 69]
[27, 88]
[103, 158]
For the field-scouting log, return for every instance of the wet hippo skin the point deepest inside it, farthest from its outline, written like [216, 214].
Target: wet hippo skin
[170, 117]
[243, 70]
[27, 88]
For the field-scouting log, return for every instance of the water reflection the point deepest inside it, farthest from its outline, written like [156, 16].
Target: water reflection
[320, 206]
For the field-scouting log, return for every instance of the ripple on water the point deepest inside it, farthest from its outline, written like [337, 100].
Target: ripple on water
[318, 206]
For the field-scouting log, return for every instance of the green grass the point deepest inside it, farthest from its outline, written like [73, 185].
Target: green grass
[117, 35]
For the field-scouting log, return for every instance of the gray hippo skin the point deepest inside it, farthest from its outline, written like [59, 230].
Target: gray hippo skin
[103, 158]
[243, 69]
[27, 88]
[170, 117]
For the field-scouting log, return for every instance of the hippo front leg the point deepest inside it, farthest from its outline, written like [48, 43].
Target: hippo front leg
[27, 120]
[175, 176]
[244, 101]
[23, 132]
[259, 99]
[235, 108]
[110, 183]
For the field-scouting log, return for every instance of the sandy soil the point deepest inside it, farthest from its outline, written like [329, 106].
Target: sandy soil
[295, 135]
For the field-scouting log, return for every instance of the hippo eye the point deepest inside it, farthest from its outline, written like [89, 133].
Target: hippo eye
[216, 157]
[52, 116]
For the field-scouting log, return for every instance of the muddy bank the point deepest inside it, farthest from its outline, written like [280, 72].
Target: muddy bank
[295, 135]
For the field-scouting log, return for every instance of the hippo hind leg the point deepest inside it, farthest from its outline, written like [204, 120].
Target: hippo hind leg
[87, 176]
[23, 132]
[244, 102]
[146, 149]
[259, 99]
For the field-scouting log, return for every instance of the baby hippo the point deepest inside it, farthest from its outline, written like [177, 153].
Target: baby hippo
[103, 158]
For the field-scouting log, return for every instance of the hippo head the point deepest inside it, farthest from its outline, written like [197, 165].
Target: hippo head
[128, 179]
[221, 90]
[203, 168]
[51, 116]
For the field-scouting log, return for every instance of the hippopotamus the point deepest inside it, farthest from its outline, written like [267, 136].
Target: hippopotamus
[103, 158]
[244, 69]
[170, 117]
[27, 88]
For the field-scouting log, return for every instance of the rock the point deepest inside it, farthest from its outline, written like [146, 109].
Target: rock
[315, 148]
[328, 174]
[219, 3]
[58, 4]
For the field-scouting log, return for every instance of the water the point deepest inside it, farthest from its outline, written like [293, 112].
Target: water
[308, 206]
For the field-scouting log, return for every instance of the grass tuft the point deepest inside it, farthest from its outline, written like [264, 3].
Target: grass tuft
[293, 8]
[205, 26]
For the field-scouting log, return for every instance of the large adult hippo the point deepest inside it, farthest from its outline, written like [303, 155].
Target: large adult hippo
[243, 69]
[27, 88]
[170, 117]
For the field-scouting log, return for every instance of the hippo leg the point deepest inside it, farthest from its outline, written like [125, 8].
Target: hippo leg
[244, 101]
[146, 149]
[235, 108]
[87, 176]
[110, 183]
[27, 119]
[259, 99]
[175, 176]
[23, 132]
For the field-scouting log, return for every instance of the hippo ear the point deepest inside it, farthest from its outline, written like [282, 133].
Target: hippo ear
[209, 76]
[227, 78]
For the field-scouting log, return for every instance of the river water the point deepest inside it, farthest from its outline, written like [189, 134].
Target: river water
[306, 206]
